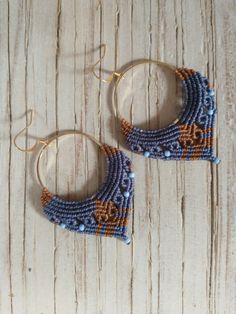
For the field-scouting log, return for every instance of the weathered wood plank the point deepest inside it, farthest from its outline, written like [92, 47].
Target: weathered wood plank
[196, 210]
[5, 161]
[37, 53]
[224, 242]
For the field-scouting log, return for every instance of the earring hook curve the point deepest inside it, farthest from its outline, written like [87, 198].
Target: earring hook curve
[103, 48]
[29, 122]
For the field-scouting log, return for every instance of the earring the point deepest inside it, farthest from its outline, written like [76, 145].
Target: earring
[106, 212]
[190, 136]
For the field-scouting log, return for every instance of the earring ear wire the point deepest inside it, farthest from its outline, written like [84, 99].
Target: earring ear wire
[29, 122]
[103, 49]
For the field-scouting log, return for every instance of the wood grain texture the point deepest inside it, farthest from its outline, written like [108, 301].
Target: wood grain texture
[182, 256]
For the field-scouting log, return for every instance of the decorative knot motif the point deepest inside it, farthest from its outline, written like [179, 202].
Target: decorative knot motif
[108, 213]
[101, 214]
[193, 135]
[190, 137]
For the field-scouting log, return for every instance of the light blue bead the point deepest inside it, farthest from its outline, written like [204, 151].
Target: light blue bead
[167, 153]
[81, 227]
[210, 112]
[216, 161]
[127, 240]
[146, 154]
[126, 194]
[131, 175]
[62, 225]
[211, 92]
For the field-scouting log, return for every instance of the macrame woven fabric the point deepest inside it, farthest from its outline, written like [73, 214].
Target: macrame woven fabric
[191, 137]
[106, 213]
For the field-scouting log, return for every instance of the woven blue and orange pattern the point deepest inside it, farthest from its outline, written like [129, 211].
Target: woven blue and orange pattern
[106, 213]
[191, 137]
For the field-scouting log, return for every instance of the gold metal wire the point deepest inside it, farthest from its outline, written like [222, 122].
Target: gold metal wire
[113, 74]
[46, 142]
[121, 75]
[50, 140]
[28, 124]
[115, 105]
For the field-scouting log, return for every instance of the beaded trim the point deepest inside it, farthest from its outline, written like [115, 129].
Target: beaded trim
[106, 213]
[191, 137]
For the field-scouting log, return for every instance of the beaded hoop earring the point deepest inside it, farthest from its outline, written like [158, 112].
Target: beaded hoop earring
[105, 213]
[190, 136]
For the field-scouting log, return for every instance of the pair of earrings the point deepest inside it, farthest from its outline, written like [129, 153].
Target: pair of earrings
[190, 137]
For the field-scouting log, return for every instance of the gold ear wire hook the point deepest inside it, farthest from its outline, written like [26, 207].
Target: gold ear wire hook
[110, 78]
[28, 124]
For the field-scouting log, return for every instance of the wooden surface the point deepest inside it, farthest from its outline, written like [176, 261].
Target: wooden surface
[182, 256]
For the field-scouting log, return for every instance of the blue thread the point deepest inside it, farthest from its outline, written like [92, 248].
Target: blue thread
[188, 138]
[100, 214]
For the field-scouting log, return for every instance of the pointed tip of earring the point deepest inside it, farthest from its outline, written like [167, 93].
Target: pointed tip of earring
[216, 160]
[127, 240]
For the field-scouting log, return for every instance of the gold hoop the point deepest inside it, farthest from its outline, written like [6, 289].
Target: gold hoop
[29, 121]
[50, 140]
[118, 76]
[103, 48]
[46, 142]
[115, 105]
